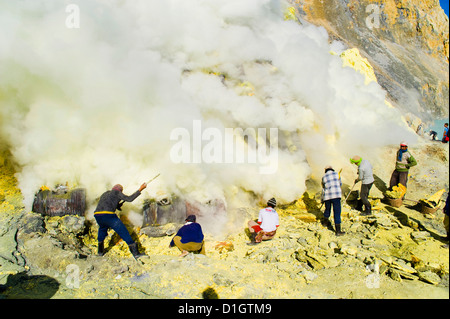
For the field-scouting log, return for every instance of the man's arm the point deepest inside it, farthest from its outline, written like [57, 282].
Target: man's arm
[412, 161]
[132, 197]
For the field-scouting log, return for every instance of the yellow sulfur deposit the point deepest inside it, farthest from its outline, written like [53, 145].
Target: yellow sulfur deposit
[353, 59]
[375, 203]
[434, 200]
[304, 209]
[224, 246]
[10, 195]
[397, 192]
[289, 14]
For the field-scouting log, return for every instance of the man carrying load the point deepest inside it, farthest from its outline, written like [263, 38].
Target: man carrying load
[404, 162]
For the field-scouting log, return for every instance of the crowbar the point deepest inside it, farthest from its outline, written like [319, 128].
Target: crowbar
[152, 179]
[350, 192]
[119, 206]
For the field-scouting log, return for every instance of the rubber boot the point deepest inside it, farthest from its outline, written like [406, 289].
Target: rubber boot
[134, 251]
[101, 249]
[339, 232]
[368, 211]
[325, 222]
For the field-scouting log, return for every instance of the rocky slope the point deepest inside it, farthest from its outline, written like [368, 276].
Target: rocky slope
[405, 41]
[396, 253]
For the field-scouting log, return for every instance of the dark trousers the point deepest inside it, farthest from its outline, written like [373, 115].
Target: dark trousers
[106, 221]
[365, 188]
[398, 177]
[336, 203]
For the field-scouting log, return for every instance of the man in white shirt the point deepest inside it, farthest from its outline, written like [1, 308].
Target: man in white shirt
[267, 224]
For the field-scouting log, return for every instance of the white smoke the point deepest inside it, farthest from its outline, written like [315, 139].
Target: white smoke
[95, 105]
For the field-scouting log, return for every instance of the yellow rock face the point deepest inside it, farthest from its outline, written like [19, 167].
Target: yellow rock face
[10, 195]
[355, 60]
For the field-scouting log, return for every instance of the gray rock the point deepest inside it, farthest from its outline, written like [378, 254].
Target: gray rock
[406, 275]
[316, 261]
[349, 250]
[159, 231]
[420, 236]
[308, 275]
[73, 224]
[430, 277]
[333, 245]
[302, 241]
[395, 275]
[400, 264]
[33, 223]
[221, 280]
[367, 242]
[120, 269]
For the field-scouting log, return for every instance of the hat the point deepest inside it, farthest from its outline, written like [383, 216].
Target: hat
[356, 160]
[191, 218]
[328, 167]
[118, 187]
[404, 144]
[272, 202]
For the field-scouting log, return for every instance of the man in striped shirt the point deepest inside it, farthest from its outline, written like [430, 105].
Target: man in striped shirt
[331, 196]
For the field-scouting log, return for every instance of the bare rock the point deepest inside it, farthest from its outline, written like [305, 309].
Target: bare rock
[420, 236]
[430, 277]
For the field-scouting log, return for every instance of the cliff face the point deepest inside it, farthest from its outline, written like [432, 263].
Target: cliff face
[406, 42]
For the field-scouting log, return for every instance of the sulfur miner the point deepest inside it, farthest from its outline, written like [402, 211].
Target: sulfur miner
[404, 162]
[268, 222]
[106, 217]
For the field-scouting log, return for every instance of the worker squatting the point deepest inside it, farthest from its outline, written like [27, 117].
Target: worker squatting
[190, 238]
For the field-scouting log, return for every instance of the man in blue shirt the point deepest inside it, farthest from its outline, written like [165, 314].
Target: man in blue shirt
[189, 237]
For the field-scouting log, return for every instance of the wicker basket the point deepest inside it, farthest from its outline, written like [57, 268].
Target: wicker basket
[394, 202]
[424, 209]
[48, 203]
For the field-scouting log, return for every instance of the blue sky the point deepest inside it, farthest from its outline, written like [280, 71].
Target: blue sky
[444, 5]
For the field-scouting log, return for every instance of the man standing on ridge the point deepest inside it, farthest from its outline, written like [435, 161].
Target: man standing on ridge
[445, 136]
[365, 175]
[106, 218]
[404, 162]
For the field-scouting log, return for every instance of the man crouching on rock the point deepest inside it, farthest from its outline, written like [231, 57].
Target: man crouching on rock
[267, 225]
[106, 218]
[189, 237]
